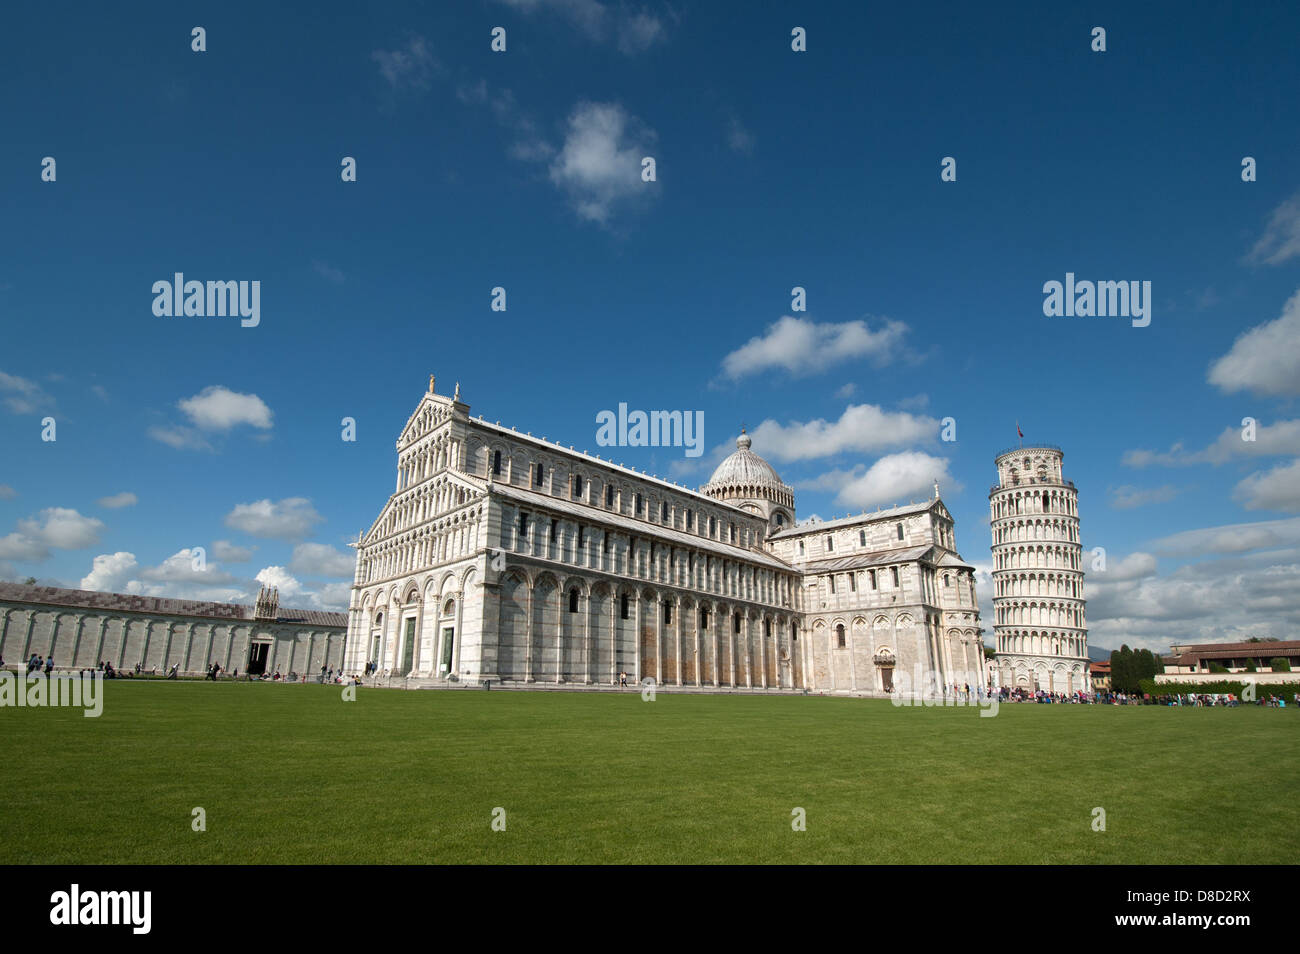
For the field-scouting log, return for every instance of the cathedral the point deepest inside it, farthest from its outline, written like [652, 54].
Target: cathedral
[507, 558]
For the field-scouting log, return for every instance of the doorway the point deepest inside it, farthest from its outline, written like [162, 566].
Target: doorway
[887, 678]
[448, 638]
[257, 656]
[408, 650]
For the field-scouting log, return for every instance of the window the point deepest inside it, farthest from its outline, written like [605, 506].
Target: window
[496, 463]
[862, 538]
[622, 606]
[780, 520]
[832, 582]
[712, 524]
[735, 623]
[573, 600]
[853, 582]
[839, 635]
[668, 613]
[947, 581]
[731, 533]
[894, 571]
[537, 476]
[830, 544]
[900, 531]
[640, 505]
[555, 526]
[523, 526]
[690, 519]
[704, 618]
[801, 548]
[582, 538]
[609, 496]
[577, 485]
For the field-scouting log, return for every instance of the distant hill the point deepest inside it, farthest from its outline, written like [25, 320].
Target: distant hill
[1098, 654]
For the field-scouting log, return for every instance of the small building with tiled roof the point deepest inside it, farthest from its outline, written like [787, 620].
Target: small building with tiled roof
[1234, 657]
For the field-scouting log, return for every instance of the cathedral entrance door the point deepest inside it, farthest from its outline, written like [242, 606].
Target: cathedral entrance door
[448, 636]
[408, 649]
[887, 678]
[257, 654]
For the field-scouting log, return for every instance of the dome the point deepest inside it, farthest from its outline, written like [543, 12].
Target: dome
[745, 468]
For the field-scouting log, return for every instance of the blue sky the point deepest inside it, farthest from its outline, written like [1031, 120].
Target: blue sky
[775, 169]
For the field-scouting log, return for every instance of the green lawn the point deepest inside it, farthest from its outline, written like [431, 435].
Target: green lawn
[292, 774]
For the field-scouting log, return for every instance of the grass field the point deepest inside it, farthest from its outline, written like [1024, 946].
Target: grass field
[292, 774]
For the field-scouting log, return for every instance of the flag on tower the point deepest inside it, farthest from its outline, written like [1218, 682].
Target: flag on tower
[1019, 432]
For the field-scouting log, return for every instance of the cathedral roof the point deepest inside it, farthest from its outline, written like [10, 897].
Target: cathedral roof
[816, 526]
[746, 468]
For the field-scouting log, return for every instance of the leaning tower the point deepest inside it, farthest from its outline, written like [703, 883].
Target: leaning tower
[1038, 618]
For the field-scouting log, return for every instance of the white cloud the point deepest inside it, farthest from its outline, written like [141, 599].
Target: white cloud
[739, 138]
[1127, 496]
[7, 492]
[409, 67]
[528, 145]
[637, 32]
[1265, 359]
[1281, 238]
[182, 438]
[54, 528]
[1276, 489]
[290, 519]
[831, 480]
[1216, 600]
[320, 559]
[218, 408]
[896, 478]
[1271, 440]
[180, 568]
[1231, 538]
[333, 596]
[846, 391]
[328, 272]
[632, 31]
[599, 164]
[22, 396]
[110, 572]
[862, 427]
[801, 346]
[117, 501]
[1135, 566]
[228, 552]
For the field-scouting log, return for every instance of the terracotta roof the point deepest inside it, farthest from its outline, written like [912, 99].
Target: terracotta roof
[1234, 651]
[1250, 649]
[129, 603]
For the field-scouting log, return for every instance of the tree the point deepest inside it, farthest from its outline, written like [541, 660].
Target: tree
[30, 581]
[1122, 675]
[1280, 664]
